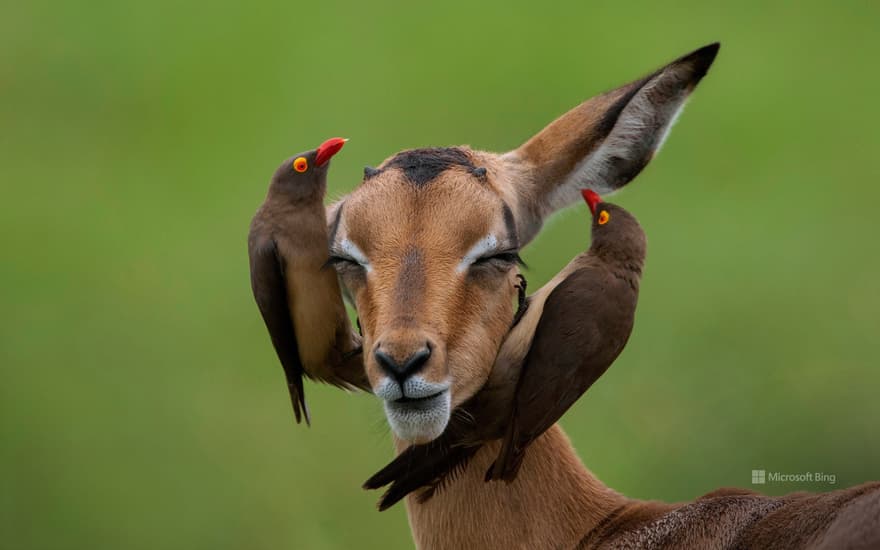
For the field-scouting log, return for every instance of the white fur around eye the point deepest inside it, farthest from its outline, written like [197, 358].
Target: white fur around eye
[480, 248]
[355, 254]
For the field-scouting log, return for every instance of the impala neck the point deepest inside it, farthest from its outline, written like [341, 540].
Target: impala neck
[553, 502]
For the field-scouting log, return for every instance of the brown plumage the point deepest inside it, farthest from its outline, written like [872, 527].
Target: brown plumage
[298, 297]
[586, 323]
[574, 328]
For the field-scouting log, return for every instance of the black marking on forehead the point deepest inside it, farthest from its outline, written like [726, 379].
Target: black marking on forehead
[423, 165]
[334, 227]
[510, 225]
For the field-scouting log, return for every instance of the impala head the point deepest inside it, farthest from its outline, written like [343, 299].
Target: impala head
[426, 246]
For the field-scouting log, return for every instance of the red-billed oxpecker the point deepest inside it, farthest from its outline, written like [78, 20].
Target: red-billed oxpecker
[574, 327]
[298, 295]
[585, 325]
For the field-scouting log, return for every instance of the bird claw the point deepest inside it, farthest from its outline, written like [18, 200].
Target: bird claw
[521, 286]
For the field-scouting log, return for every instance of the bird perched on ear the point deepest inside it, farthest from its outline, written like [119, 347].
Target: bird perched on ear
[575, 326]
[299, 299]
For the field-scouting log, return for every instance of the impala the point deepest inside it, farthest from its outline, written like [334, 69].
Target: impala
[425, 248]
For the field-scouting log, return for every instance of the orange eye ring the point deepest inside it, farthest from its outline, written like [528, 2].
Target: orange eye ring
[604, 216]
[300, 164]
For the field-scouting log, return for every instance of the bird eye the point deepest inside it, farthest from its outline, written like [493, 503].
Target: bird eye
[301, 164]
[604, 216]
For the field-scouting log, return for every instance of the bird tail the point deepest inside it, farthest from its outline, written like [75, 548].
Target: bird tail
[298, 399]
[432, 466]
[510, 458]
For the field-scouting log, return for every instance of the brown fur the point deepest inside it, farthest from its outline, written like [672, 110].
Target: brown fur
[415, 218]
[421, 211]
[434, 204]
[401, 304]
[551, 504]
[555, 502]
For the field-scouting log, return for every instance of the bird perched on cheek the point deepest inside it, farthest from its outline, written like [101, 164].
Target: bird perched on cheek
[300, 299]
[586, 323]
[575, 326]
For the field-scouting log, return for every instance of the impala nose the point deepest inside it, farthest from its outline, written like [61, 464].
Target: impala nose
[401, 366]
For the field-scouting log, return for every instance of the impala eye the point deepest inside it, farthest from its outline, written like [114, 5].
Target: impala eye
[505, 259]
[300, 164]
[347, 257]
[342, 261]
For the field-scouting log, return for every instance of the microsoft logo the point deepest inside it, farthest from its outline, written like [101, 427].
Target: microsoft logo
[762, 477]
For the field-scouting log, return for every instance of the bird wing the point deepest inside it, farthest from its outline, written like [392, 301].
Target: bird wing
[270, 293]
[584, 326]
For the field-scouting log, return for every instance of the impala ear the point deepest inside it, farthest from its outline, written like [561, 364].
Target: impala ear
[601, 144]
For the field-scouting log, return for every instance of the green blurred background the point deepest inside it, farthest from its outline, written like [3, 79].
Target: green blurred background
[141, 404]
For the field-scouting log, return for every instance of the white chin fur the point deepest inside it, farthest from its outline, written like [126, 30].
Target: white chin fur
[419, 422]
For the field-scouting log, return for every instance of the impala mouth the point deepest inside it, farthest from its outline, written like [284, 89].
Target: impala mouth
[406, 399]
[419, 411]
